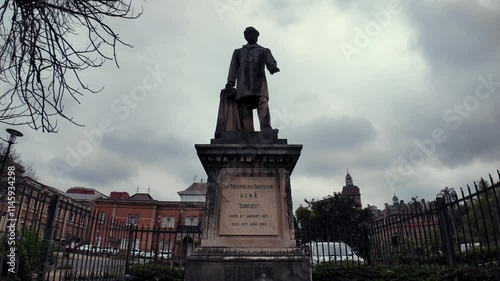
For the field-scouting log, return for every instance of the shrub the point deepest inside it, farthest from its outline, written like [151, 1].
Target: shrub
[149, 272]
[326, 272]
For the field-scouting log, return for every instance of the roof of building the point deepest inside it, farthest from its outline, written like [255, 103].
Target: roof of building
[197, 188]
[141, 197]
[84, 197]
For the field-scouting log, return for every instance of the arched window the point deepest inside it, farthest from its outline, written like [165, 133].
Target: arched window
[191, 221]
[171, 222]
[164, 221]
[129, 219]
[136, 219]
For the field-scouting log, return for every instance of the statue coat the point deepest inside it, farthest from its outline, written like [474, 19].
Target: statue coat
[248, 73]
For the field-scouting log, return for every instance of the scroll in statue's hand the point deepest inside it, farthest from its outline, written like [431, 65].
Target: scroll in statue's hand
[274, 70]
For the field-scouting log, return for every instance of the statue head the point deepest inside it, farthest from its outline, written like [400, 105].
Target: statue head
[251, 34]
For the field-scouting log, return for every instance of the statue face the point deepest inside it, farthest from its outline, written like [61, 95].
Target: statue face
[251, 35]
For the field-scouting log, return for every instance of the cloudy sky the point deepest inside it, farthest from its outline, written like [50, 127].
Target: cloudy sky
[403, 93]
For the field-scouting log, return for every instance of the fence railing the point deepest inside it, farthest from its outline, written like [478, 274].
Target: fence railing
[163, 245]
[453, 229]
[45, 235]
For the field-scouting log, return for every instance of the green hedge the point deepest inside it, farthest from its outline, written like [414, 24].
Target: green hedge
[326, 272]
[149, 272]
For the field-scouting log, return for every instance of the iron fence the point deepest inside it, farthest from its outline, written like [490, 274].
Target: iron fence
[456, 228]
[46, 235]
[167, 246]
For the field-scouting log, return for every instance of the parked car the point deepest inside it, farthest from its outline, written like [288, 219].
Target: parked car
[109, 252]
[135, 253]
[152, 255]
[147, 254]
[89, 249]
[165, 255]
[72, 247]
[470, 247]
[338, 252]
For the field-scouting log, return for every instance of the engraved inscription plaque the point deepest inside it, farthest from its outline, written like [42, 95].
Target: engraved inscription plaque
[248, 206]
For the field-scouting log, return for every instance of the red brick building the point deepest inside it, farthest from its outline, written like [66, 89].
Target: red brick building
[141, 210]
[31, 207]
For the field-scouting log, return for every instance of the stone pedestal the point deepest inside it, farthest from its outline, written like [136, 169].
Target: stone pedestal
[248, 224]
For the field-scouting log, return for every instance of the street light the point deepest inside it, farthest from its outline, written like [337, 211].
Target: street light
[12, 139]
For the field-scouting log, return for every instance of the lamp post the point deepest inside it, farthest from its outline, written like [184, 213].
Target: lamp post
[13, 134]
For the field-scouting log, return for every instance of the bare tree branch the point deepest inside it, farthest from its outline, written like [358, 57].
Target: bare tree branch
[41, 58]
[14, 157]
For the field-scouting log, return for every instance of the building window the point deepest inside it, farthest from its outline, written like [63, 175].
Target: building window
[82, 219]
[102, 217]
[191, 221]
[72, 217]
[133, 219]
[168, 222]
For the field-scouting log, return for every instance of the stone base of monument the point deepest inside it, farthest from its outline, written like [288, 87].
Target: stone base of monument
[248, 227]
[243, 264]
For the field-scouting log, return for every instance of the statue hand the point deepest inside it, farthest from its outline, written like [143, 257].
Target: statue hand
[229, 85]
[274, 70]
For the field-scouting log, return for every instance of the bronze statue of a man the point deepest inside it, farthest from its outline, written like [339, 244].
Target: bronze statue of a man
[248, 73]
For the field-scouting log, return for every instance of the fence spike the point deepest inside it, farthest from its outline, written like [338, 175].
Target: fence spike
[491, 179]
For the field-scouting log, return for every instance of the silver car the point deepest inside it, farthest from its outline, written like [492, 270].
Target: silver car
[337, 252]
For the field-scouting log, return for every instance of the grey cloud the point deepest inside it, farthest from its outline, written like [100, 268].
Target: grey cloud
[103, 169]
[472, 140]
[462, 33]
[334, 133]
[330, 144]
[147, 147]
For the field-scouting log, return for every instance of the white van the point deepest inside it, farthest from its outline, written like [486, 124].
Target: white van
[338, 252]
[470, 247]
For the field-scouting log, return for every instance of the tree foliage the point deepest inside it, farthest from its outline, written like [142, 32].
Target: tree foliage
[332, 218]
[483, 214]
[340, 211]
[44, 45]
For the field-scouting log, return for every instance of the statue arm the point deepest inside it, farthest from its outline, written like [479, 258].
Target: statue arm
[233, 68]
[271, 63]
